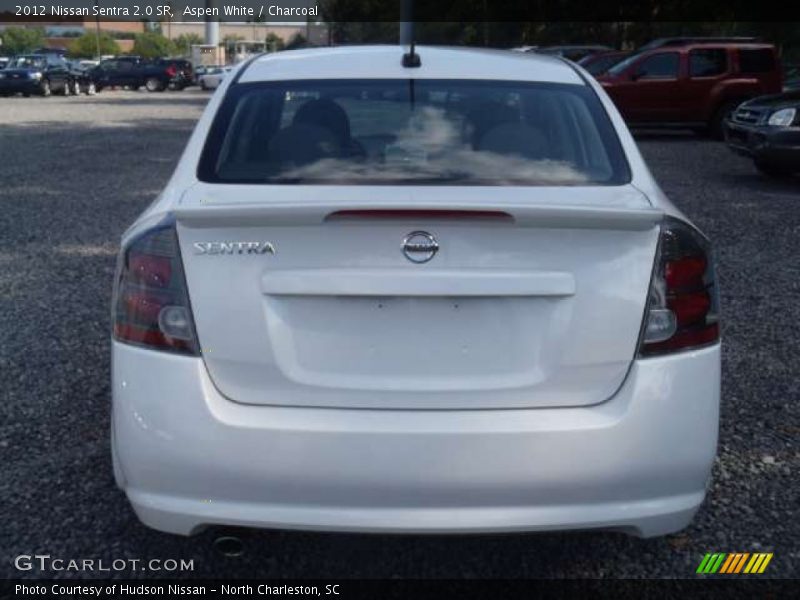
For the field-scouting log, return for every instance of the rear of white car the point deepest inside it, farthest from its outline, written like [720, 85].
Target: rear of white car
[447, 298]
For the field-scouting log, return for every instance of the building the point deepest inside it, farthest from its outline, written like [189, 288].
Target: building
[251, 33]
[60, 32]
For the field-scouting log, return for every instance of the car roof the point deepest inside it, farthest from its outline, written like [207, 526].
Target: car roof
[709, 44]
[384, 62]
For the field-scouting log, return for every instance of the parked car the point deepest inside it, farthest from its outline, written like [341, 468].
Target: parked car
[767, 129]
[213, 77]
[184, 71]
[83, 80]
[201, 70]
[574, 53]
[694, 85]
[518, 332]
[4, 62]
[791, 78]
[600, 62]
[694, 39]
[133, 72]
[36, 74]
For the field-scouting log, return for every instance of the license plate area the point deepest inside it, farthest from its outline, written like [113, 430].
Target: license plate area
[415, 343]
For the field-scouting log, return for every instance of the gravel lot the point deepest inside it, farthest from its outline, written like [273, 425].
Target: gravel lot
[74, 172]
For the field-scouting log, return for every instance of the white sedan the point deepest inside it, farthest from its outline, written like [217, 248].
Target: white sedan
[212, 77]
[437, 292]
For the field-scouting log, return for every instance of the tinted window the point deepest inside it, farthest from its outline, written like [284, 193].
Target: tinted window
[600, 65]
[708, 62]
[756, 61]
[659, 66]
[412, 131]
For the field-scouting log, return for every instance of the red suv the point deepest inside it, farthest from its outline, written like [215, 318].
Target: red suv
[691, 83]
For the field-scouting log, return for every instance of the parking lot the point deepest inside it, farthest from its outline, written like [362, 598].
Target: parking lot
[74, 172]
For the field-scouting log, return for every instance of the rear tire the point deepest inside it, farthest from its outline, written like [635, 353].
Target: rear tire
[772, 170]
[717, 122]
[46, 91]
[76, 88]
[91, 89]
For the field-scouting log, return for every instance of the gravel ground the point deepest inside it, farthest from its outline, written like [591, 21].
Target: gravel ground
[75, 171]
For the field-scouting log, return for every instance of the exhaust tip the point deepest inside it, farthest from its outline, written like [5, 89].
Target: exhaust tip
[229, 546]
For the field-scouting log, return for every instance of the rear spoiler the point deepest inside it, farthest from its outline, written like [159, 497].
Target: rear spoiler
[524, 215]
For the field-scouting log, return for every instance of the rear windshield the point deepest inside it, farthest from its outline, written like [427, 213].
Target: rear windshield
[416, 132]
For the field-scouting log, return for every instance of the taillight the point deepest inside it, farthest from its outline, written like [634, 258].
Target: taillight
[151, 306]
[172, 71]
[683, 308]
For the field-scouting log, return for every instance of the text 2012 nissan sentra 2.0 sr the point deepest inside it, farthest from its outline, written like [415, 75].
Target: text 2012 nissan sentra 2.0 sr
[437, 298]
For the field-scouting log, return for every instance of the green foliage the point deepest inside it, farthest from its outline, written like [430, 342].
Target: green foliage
[185, 41]
[86, 45]
[20, 40]
[274, 42]
[232, 38]
[298, 40]
[152, 44]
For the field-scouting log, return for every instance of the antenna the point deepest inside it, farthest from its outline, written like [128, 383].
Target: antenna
[410, 59]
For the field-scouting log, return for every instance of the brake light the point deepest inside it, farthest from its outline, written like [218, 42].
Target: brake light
[151, 305]
[683, 309]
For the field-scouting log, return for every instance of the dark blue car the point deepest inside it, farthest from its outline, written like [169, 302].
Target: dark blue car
[40, 74]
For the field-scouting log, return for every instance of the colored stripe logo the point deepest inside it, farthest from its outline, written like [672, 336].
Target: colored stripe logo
[734, 563]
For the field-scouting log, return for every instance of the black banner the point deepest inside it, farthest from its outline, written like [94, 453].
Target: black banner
[450, 11]
[733, 587]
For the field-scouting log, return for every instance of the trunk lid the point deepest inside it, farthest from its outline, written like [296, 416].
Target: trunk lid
[534, 298]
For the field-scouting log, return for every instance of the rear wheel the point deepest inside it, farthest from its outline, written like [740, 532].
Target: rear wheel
[76, 88]
[772, 170]
[153, 85]
[46, 91]
[715, 126]
[91, 89]
[66, 90]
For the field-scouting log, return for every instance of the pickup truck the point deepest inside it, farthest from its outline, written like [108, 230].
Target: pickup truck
[695, 84]
[134, 72]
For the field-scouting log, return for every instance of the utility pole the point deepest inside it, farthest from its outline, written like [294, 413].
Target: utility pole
[97, 30]
[212, 26]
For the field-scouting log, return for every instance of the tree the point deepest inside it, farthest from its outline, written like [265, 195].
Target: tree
[85, 46]
[151, 44]
[298, 40]
[184, 42]
[19, 40]
[274, 42]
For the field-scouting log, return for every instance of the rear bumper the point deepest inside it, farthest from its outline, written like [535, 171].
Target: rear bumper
[187, 457]
[774, 145]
